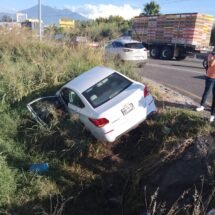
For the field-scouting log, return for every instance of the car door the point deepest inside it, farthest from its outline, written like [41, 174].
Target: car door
[74, 103]
[117, 47]
[114, 48]
[46, 109]
[109, 49]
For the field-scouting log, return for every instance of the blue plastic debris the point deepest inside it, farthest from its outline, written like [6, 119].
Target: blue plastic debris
[39, 168]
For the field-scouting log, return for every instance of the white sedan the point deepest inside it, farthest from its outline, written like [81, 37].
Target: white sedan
[108, 103]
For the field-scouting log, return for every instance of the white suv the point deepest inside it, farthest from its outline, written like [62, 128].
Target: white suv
[126, 50]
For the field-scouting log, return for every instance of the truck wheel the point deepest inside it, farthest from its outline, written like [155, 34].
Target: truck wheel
[167, 53]
[155, 52]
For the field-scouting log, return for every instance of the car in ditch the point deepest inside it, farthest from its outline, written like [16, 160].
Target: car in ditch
[107, 102]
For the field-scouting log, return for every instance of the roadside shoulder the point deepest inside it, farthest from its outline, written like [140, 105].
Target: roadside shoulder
[166, 96]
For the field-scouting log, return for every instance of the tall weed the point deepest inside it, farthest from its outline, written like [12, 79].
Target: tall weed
[7, 182]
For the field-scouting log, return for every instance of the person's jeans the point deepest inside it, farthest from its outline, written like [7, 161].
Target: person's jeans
[213, 103]
[209, 84]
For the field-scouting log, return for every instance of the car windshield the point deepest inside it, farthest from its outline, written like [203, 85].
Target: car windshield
[134, 45]
[106, 89]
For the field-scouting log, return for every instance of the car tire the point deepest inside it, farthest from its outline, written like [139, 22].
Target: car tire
[167, 53]
[155, 52]
[141, 65]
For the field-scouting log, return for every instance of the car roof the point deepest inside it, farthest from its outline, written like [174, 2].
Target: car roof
[89, 78]
[125, 40]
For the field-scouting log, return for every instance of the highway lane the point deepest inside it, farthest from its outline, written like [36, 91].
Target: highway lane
[185, 76]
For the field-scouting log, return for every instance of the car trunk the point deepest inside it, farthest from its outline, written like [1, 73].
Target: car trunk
[131, 108]
[136, 49]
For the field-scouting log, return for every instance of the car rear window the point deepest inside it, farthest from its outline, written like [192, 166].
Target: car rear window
[134, 45]
[106, 89]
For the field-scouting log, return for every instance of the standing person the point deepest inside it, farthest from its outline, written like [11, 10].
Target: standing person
[212, 117]
[209, 82]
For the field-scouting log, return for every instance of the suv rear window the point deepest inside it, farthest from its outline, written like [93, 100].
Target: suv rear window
[134, 45]
[106, 89]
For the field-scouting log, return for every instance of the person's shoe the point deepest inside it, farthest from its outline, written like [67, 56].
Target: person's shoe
[200, 108]
[212, 118]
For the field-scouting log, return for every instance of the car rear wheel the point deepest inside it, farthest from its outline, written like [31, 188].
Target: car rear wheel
[141, 65]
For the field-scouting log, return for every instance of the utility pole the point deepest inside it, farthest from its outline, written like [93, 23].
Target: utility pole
[40, 21]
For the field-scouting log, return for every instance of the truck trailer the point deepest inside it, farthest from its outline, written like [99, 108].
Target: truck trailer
[174, 35]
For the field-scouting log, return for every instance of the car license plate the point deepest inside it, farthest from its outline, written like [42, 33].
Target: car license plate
[127, 108]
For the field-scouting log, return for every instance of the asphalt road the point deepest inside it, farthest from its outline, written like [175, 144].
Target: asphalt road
[186, 76]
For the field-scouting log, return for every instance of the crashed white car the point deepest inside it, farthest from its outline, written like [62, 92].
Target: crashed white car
[108, 103]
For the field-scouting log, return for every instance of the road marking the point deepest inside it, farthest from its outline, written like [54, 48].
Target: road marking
[173, 68]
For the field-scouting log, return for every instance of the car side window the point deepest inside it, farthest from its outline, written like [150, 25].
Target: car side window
[69, 96]
[75, 100]
[117, 45]
[65, 95]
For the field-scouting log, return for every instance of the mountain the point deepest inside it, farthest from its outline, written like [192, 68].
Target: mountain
[51, 15]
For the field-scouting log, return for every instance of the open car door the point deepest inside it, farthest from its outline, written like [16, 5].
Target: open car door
[46, 109]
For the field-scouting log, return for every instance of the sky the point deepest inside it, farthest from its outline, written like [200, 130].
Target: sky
[103, 8]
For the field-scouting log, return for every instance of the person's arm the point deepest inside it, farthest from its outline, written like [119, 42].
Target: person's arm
[212, 63]
[211, 60]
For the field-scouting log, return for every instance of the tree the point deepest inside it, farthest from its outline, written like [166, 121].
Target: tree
[150, 9]
[6, 18]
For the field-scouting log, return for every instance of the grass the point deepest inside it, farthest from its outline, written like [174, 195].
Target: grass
[29, 69]
[79, 167]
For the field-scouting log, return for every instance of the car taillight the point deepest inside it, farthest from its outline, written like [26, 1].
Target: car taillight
[99, 122]
[127, 50]
[145, 91]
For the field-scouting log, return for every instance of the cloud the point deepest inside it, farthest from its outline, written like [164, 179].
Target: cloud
[105, 10]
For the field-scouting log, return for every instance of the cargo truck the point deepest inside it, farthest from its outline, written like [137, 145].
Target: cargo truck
[173, 35]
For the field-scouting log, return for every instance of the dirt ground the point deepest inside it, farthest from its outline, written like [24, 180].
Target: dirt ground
[128, 183]
[135, 174]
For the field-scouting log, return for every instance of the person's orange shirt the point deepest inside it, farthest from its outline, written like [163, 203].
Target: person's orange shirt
[211, 66]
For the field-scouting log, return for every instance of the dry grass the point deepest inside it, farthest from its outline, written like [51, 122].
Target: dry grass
[30, 69]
